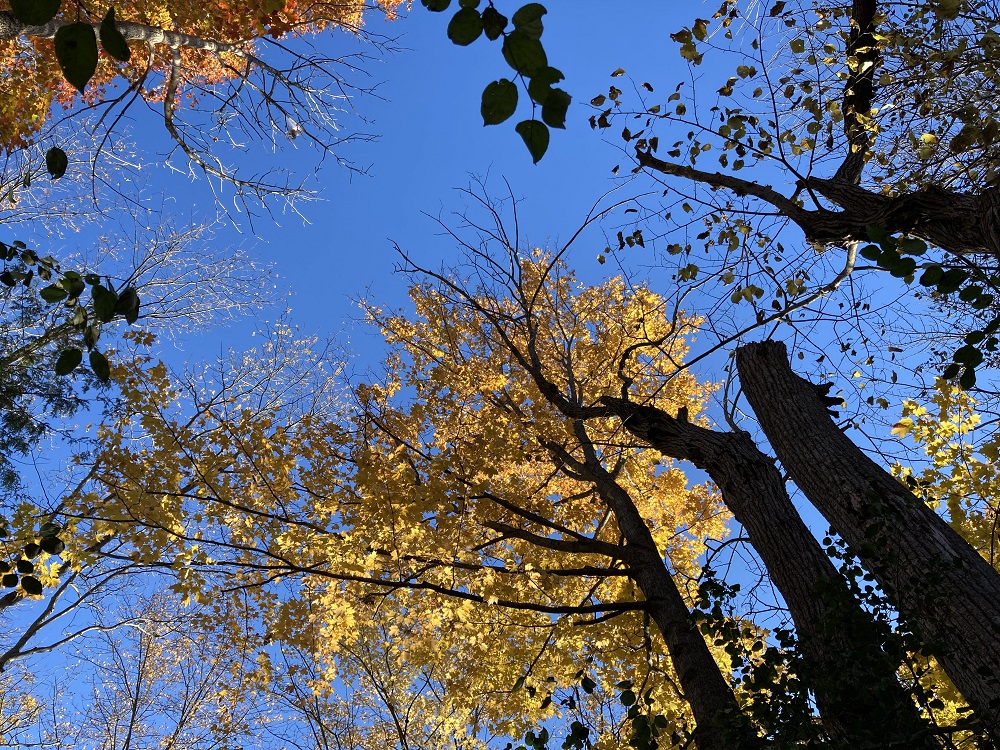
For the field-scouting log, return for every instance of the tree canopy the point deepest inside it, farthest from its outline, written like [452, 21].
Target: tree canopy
[548, 515]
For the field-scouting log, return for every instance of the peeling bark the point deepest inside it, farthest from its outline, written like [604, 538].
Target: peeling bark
[942, 587]
[858, 694]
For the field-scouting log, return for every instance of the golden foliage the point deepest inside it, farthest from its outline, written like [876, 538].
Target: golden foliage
[421, 527]
[962, 475]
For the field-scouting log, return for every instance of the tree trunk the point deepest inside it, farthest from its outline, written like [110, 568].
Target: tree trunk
[718, 719]
[942, 587]
[855, 683]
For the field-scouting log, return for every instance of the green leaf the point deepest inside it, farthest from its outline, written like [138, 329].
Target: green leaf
[104, 303]
[902, 267]
[34, 12]
[871, 252]
[436, 5]
[465, 27]
[9, 580]
[540, 85]
[970, 293]
[52, 545]
[25, 567]
[539, 90]
[535, 136]
[99, 364]
[494, 23]
[588, 684]
[554, 108]
[32, 550]
[112, 40]
[968, 379]
[548, 76]
[56, 162]
[931, 276]
[528, 19]
[951, 280]
[73, 285]
[128, 305]
[627, 698]
[969, 356]
[912, 246]
[469, 3]
[53, 293]
[91, 335]
[31, 585]
[68, 361]
[524, 53]
[76, 51]
[499, 101]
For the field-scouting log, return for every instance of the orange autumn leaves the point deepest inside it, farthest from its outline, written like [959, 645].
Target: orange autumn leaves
[32, 81]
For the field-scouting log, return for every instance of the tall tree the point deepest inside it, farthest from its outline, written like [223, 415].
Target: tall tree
[942, 586]
[478, 478]
[863, 112]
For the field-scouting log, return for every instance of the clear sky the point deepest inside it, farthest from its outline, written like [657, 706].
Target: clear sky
[432, 141]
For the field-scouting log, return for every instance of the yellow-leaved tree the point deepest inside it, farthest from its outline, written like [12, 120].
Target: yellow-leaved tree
[960, 476]
[509, 558]
[488, 539]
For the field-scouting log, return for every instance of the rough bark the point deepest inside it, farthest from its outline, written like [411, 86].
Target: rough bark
[859, 697]
[863, 58]
[942, 587]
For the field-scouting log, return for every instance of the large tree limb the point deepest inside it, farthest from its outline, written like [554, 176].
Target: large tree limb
[863, 58]
[942, 587]
[957, 222]
[579, 547]
[11, 28]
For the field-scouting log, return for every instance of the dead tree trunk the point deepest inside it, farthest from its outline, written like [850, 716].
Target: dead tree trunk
[942, 587]
[858, 694]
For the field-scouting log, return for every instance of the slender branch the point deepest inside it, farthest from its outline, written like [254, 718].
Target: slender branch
[592, 546]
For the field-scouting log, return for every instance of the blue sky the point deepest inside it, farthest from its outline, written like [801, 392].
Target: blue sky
[432, 141]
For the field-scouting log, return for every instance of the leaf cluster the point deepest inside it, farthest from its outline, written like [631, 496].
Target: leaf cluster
[522, 49]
